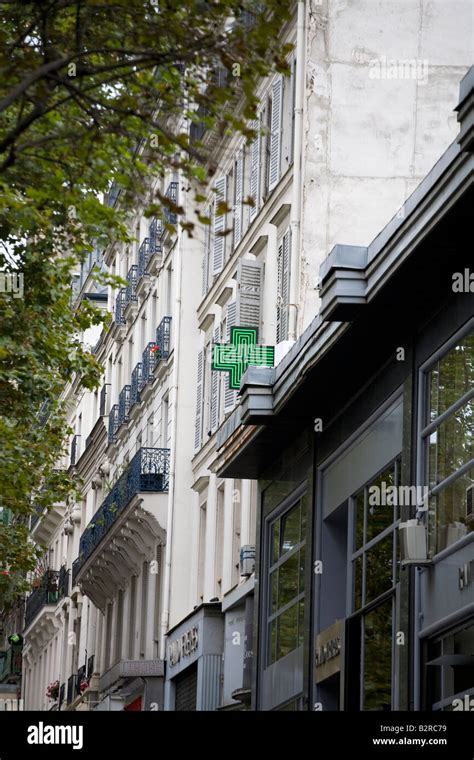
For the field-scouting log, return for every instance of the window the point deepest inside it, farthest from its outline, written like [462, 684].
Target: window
[283, 287]
[119, 628]
[286, 582]
[236, 530]
[449, 669]
[202, 550]
[164, 422]
[144, 611]
[375, 566]
[219, 550]
[131, 617]
[448, 445]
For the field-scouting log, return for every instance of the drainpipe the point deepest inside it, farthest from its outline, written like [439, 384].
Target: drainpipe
[176, 324]
[297, 190]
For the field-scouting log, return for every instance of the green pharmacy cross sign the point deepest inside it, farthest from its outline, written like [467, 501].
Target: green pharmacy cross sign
[242, 351]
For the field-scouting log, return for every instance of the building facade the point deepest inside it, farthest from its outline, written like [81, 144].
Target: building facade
[361, 441]
[149, 599]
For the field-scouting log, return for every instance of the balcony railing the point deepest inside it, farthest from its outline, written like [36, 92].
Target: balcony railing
[90, 666]
[75, 449]
[46, 593]
[163, 335]
[124, 404]
[148, 248]
[103, 399]
[113, 194]
[35, 517]
[120, 304]
[62, 692]
[148, 471]
[156, 233]
[71, 688]
[113, 422]
[81, 676]
[130, 290]
[11, 664]
[171, 193]
[63, 582]
[136, 384]
[149, 360]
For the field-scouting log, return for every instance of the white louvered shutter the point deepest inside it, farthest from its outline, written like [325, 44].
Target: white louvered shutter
[283, 287]
[207, 253]
[218, 226]
[238, 196]
[199, 400]
[249, 293]
[230, 395]
[215, 386]
[255, 149]
[275, 137]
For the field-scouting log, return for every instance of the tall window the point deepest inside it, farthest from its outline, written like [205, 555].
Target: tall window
[286, 582]
[375, 566]
[202, 550]
[219, 555]
[448, 445]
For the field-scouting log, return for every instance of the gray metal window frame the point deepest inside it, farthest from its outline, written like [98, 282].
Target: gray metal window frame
[285, 506]
[424, 430]
[391, 593]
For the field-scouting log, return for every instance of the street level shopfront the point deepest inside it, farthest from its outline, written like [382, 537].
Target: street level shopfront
[362, 442]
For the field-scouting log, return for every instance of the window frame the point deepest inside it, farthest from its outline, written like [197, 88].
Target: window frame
[424, 429]
[267, 616]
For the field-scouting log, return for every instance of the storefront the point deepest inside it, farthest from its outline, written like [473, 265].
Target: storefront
[362, 440]
[194, 661]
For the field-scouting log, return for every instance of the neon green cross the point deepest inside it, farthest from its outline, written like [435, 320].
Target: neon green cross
[242, 351]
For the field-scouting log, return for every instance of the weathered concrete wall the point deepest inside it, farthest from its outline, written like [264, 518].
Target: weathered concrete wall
[382, 80]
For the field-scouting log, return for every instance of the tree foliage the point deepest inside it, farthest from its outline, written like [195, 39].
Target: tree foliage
[94, 91]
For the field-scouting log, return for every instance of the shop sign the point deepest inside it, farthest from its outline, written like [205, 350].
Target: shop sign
[328, 655]
[184, 646]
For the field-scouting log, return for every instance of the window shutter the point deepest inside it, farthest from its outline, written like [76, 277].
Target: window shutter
[230, 396]
[199, 400]
[249, 293]
[238, 196]
[215, 387]
[255, 148]
[218, 226]
[207, 252]
[275, 138]
[283, 287]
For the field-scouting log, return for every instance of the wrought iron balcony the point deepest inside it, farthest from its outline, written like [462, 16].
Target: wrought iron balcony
[62, 692]
[81, 676]
[148, 471]
[172, 194]
[148, 248]
[46, 593]
[136, 384]
[103, 399]
[163, 335]
[90, 666]
[113, 194]
[35, 517]
[44, 412]
[156, 233]
[63, 582]
[124, 404]
[113, 422]
[75, 449]
[120, 304]
[11, 663]
[71, 688]
[149, 359]
[130, 290]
